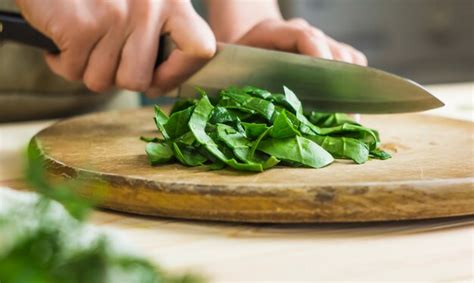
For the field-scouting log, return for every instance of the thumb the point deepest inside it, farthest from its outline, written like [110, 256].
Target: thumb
[190, 32]
[195, 43]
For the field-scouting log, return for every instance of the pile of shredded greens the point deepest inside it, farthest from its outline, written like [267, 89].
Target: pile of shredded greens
[251, 129]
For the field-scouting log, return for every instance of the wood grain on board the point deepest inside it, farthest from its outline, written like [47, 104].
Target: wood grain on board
[429, 176]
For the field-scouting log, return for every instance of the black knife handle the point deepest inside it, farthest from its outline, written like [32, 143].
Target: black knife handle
[13, 27]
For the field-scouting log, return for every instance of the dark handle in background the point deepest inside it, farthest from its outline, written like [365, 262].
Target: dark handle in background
[13, 27]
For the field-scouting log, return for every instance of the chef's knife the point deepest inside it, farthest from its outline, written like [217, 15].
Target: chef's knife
[323, 85]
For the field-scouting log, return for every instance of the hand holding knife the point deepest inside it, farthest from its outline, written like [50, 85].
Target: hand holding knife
[324, 85]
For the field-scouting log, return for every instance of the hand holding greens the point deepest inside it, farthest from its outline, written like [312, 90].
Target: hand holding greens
[251, 129]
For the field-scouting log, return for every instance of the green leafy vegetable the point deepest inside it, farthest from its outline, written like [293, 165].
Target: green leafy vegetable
[159, 153]
[252, 129]
[197, 124]
[160, 120]
[283, 127]
[341, 147]
[235, 140]
[176, 125]
[246, 101]
[188, 156]
[297, 149]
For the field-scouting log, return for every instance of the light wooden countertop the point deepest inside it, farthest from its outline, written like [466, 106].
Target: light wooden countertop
[431, 250]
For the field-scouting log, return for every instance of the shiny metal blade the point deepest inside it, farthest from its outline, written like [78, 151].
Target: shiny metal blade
[322, 85]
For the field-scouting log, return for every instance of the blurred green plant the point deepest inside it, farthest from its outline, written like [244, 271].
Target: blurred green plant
[42, 242]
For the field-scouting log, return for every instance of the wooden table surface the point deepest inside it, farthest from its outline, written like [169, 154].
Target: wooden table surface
[431, 250]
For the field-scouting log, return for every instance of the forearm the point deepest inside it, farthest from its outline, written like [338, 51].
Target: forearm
[231, 19]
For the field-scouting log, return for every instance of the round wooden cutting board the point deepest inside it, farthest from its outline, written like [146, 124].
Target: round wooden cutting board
[430, 174]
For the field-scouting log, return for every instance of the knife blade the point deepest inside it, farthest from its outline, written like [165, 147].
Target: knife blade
[323, 85]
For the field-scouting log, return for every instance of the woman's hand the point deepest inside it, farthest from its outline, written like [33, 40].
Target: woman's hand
[298, 36]
[115, 42]
[261, 24]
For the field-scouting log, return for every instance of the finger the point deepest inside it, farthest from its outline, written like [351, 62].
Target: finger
[190, 32]
[305, 40]
[103, 62]
[320, 45]
[195, 45]
[138, 55]
[175, 70]
[339, 51]
[72, 60]
[357, 57]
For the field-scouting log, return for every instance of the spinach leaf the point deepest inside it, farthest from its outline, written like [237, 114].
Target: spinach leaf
[235, 140]
[260, 106]
[358, 132]
[293, 101]
[380, 154]
[341, 147]
[182, 104]
[222, 115]
[283, 127]
[187, 155]
[257, 92]
[256, 143]
[160, 120]
[177, 124]
[330, 119]
[186, 139]
[159, 153]
[197, 124]
[254, 130]
[297, 149]
[148, 139]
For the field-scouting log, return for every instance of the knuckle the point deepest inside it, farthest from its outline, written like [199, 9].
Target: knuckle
[96, 85]
[304, 33]
[205, 51]
[317, 33]
[337, 52]
[88, 28]
[118, 13]
[54, 29]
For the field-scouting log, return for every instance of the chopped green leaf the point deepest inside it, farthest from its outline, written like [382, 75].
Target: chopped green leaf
[297, 149]
[158, 153]
[283, 127]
